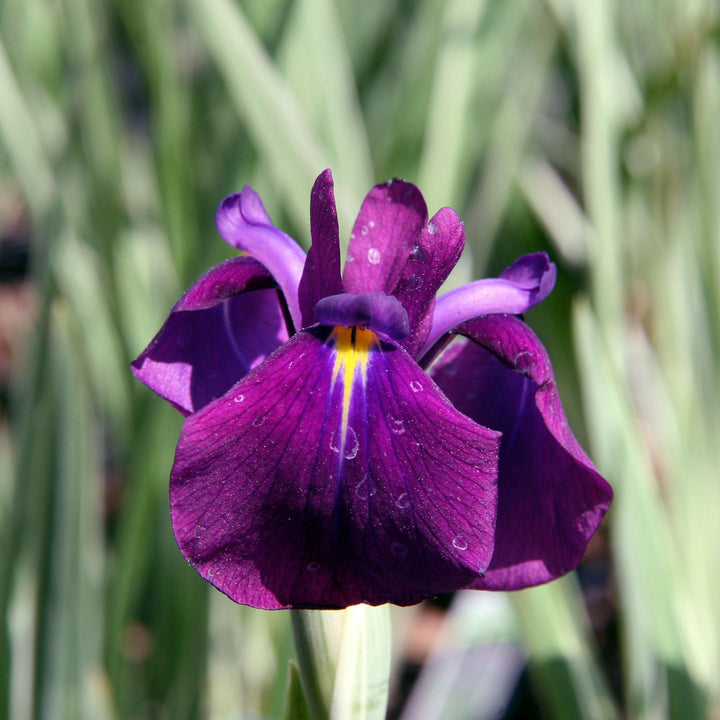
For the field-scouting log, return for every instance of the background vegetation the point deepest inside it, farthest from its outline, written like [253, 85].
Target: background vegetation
[587, 128]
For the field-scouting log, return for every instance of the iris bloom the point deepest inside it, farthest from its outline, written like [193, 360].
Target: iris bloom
[351, 438]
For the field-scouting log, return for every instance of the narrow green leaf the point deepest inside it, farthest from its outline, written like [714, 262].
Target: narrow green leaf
[296, 707]
[263, 101]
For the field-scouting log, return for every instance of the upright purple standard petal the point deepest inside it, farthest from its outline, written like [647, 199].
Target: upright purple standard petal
[437, 250]
[321, 276]
[390, 219]
[243, 223]
[229, 321]
[333, 474]
[550, 497]
[521, 286]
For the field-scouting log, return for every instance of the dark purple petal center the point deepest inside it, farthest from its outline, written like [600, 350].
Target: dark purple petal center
[375, 310]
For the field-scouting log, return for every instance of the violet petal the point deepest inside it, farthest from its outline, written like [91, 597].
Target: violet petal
[321, 276]
[243, 223]
[524, 284]
[333, 474]
[377, 311]
[390, 219]
[225, 324]
[437, 250]
[551, 499]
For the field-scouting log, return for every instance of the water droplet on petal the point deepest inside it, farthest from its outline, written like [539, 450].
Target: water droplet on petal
[312, 566]
[417, 254]
[238, 398]
[259, 421]
[416, 386]
[364, 489]
[460, 543]
[336, 440]
[364, 230]
[351, 444]
[432, 228]
[349, 258]
[414, 282]
[397, 425]
[525, 362]
[373, 256]
[403, 501]
[371, 223]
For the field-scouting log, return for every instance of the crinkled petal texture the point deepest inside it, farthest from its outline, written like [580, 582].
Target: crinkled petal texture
[335, 473]
[550, 497]
[228, 322]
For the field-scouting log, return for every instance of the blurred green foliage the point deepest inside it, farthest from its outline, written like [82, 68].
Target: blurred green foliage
[588, 128]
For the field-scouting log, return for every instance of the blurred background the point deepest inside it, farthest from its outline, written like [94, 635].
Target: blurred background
[586, 128]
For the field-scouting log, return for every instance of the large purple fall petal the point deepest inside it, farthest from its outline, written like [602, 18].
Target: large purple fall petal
[550, 497]
[333, 474]
[383, 237]
[224, 325]
[243, 222]
[321, 276]
[437, 250]
[524, 284]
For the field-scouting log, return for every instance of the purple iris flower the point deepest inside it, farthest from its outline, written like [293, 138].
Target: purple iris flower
[349, 437]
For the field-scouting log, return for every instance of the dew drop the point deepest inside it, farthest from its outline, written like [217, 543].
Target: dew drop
[416, 386]
[373, 256]
[259, 421]
[371, 223]
[364, 489]
[414, 282]
[349, 258]
[417, 254]
[312, 566]
[403, 501]
[336, 440]
[432, 228]
[364, 230]
[397, 426]
[351, 444]
[525, 362]
[460, 543]
[238, 398]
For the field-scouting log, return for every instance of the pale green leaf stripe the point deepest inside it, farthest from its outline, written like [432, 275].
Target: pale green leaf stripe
[363, 668]
[443, 163]
[650, 580]
[317, 635]
[22, 142]
[264, 102]
[314, 58]
[556, 635]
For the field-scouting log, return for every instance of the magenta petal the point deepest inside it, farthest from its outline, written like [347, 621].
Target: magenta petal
[390, 219]
[331, 476]
[437, 250]
[225, 324]
[524, 284]
[551, 499]
[243, 223]
[321, 276]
